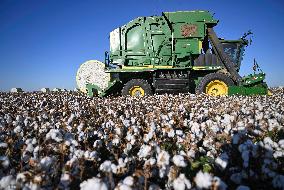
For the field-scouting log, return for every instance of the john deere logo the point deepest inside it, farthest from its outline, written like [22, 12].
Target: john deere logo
[188, 30]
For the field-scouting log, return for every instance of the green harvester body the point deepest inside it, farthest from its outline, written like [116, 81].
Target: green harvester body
[173, 53]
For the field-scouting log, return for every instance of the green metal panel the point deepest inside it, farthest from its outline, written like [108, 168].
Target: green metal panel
[94, 90]
[190, 16]
[251, 85]
[164, 40]
[253, 79]
[242, 90]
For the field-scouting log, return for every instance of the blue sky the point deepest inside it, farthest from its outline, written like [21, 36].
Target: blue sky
[43, 42]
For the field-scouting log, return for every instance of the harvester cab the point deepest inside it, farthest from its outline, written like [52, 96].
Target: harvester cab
[175, 52]
[235, 50]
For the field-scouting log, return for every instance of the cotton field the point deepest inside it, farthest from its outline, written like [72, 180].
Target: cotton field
[65, 140]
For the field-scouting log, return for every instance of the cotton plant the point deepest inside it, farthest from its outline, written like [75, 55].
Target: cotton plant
[164, 141]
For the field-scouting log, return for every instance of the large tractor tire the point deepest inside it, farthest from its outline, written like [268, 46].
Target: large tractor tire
[214, 84]
[137, 87]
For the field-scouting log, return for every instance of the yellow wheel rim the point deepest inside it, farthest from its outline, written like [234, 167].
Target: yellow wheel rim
[216, 88]
[137, 91]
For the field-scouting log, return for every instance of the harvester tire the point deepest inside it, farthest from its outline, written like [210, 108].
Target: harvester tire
[136, 87]
[214, 84]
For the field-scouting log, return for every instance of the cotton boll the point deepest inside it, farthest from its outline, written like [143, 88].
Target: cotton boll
[227, 119]
[182, 153]
[116, 141]
[129, 136]
[55, 135]
[133, 120]
[8, 182]
[281, 143]
[126, 122]
[127, 148]
[46, 162]
[5, 162]
[28, 141]
[75, 143]
[202, 150]
[179, 141]
[153, 126]
[86, 154]
[171, 133]
[268, 141]
[148, 136]
[122, 186]
[94, 155]
[154, 187]
[219, 184]
[3, 145]
[210, 154]
[81, 136]
[21, 178]
[8, 118]
[69, 128]
[32, 186]
[30, 148]
[19, 118]
[195, 128]
[162, 171]
[203, 180]
[106, 166]
[215, 128]
[35, 152]
[18, 129]
[80, 127]
[79, 153]
[114, 168]
[179, 161]
[278, 154]
[207, 143]
[181, 183]
[93, 183]
[191, 153]
[222, 161]
[179, 132]
[120, 161]
[152, 161]
[243, 187]
[34, 141]
[144, 151]
[118, 131]
[128, 181]
[71, 118]
[98, 144]
[67, 143]
[163, 159]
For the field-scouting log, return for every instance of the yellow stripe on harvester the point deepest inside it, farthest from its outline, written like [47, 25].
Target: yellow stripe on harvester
[148, 67]
[198, 68]
[200, 46]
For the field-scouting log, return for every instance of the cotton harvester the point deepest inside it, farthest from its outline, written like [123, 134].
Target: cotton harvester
[173, 53]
